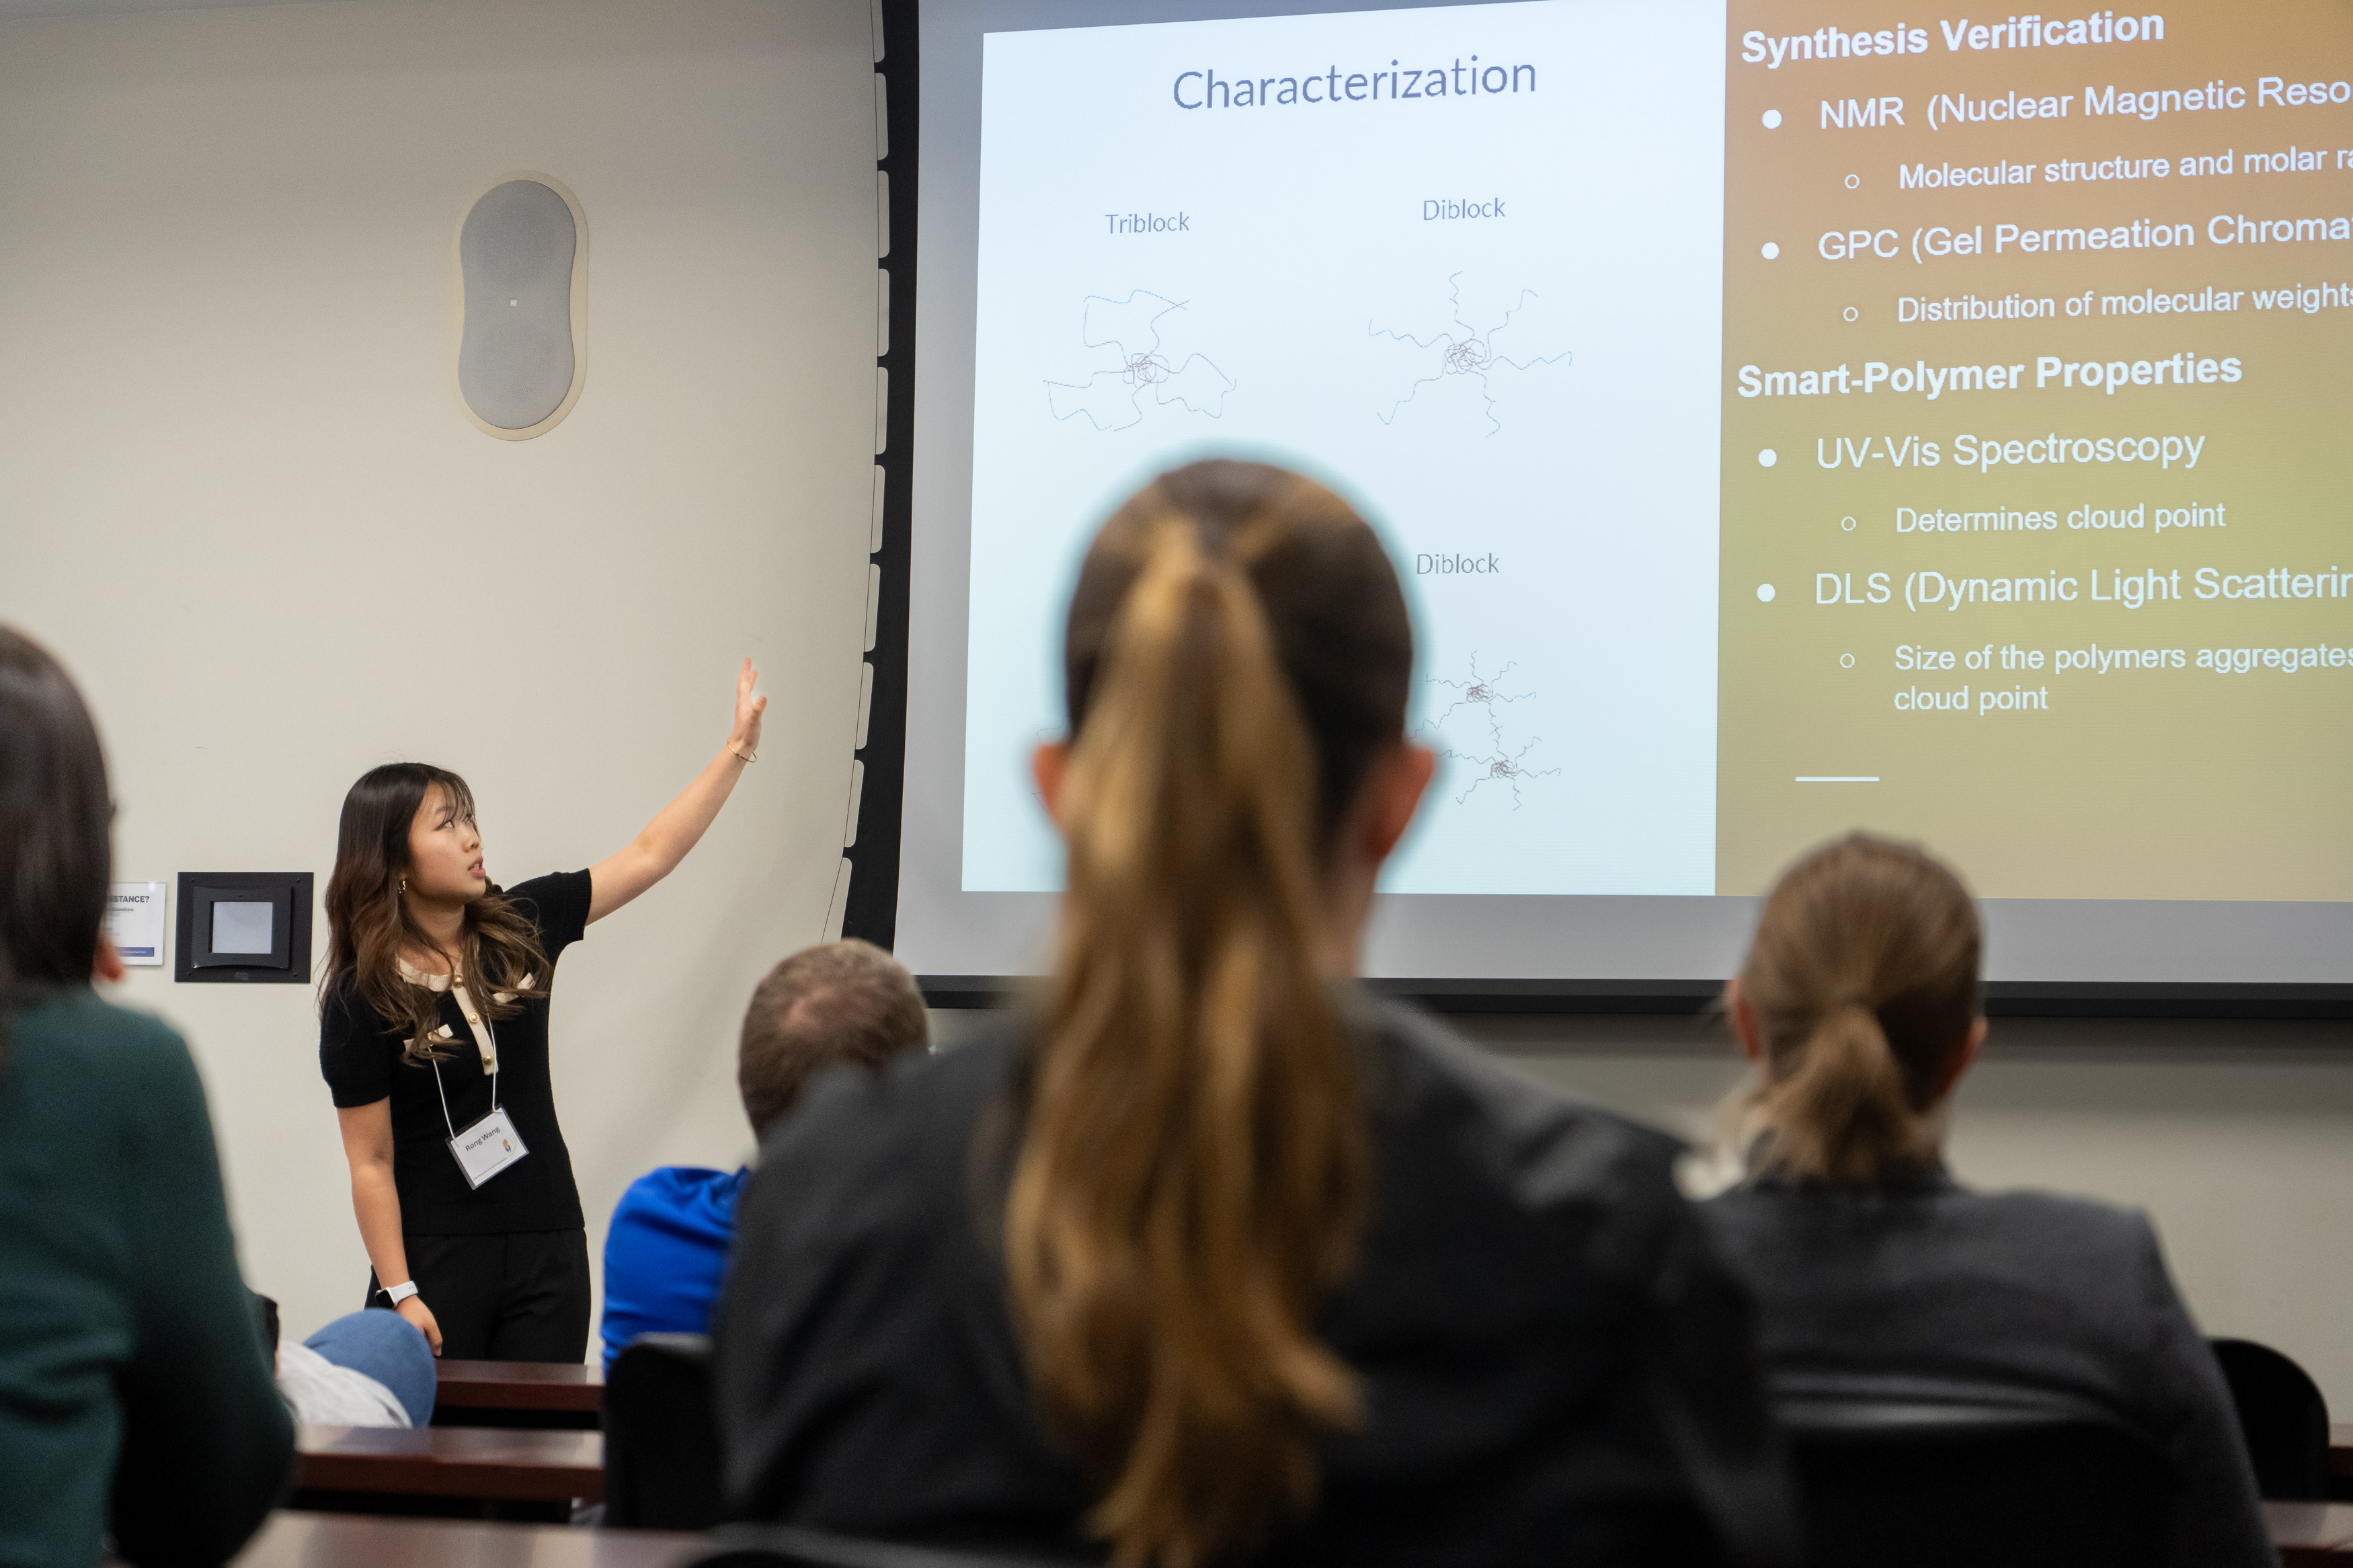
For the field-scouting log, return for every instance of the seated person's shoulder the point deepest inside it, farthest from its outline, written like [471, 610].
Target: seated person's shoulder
[322, 1394]
[2040, 1243]
[913, 1087]
[80, 1033]
[79, 1017]
[1543, 1151]
[904, 1127]
[667, 1188]
[1427, 1061]
[2091, 1235]
[687, 1199]
[665, 1251]
[1954, 1206]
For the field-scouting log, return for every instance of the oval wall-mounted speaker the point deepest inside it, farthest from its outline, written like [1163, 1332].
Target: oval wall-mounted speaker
[522, 302]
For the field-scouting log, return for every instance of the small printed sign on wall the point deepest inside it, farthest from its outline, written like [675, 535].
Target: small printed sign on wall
[134, 921]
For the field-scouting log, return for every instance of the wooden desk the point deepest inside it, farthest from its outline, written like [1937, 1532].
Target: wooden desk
[364, 1469]
[2311, 1532]
[517, 1393]
[2308, 1534]
[348, 1540]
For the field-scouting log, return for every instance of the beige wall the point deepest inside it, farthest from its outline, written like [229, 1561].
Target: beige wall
[238, 498]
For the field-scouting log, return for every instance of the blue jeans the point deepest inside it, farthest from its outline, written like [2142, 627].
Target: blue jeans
[388, 1348]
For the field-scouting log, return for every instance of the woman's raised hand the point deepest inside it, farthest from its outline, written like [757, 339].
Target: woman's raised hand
[748, 709]
[656, 852]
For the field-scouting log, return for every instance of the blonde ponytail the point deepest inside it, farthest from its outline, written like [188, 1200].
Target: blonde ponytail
[1840, 1112]
[1863, 979]
[1192, 1173]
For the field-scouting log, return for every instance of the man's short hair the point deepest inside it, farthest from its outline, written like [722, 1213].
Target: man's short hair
[844, 1001]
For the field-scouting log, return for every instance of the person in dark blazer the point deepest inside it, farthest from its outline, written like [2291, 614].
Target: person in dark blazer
[135, 1391]
[1858, 1001]
[1210, 1258]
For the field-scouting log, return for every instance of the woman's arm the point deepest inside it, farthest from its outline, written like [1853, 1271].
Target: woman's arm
[376, 1202]
[655, 853]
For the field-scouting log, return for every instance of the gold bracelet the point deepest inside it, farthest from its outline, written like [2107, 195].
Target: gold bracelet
[747, 756]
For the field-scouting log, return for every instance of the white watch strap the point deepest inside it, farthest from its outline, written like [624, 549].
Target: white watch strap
[401, 1293]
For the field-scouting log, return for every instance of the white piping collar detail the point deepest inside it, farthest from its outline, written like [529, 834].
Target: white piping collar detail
[417, 976]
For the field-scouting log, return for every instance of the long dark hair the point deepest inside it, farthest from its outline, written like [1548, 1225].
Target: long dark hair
[1194, 1162]
[55, 813]
[1864, 973]
[368, 922]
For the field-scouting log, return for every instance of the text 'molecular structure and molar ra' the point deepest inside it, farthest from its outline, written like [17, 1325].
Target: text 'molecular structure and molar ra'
[2026, 320]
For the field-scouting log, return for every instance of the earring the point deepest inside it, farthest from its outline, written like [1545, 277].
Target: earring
[404, 884]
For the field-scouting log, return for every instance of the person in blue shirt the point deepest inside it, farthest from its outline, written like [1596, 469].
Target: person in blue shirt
[842, 1004]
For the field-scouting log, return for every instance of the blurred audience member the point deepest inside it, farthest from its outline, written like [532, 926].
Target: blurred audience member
[135, 1397]
[364, 1368]
[845, 1004]
[1209, 1256]
[1859, 1003]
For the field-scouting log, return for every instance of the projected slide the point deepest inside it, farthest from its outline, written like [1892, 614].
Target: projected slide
[2035, 502]
[1786, 417]
[1421, 254]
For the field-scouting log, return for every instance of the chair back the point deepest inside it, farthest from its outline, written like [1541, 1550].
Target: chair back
[2284, 1417]
[661, 1435]
[1961, 1478]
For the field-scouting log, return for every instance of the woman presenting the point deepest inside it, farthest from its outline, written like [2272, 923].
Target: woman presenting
[433, 1036]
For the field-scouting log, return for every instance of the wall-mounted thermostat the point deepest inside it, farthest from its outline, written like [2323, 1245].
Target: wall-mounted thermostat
[244, 928]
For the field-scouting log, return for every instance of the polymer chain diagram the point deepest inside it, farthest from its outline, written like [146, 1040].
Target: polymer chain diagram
[1499, 764]
[1141, 337]
[1466, 354]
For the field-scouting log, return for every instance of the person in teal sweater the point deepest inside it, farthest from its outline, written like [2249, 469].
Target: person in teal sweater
[137, 1410]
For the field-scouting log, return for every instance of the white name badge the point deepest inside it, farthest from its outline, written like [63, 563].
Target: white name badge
[487, 1147]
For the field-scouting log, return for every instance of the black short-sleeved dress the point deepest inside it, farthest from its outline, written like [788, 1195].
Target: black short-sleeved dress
[504, 1267]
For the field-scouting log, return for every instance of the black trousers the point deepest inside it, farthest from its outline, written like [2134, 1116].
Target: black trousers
[520, 1295]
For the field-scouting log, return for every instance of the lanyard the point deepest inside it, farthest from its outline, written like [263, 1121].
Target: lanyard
[445, 1097]
[464, 997]
[489, 1145]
